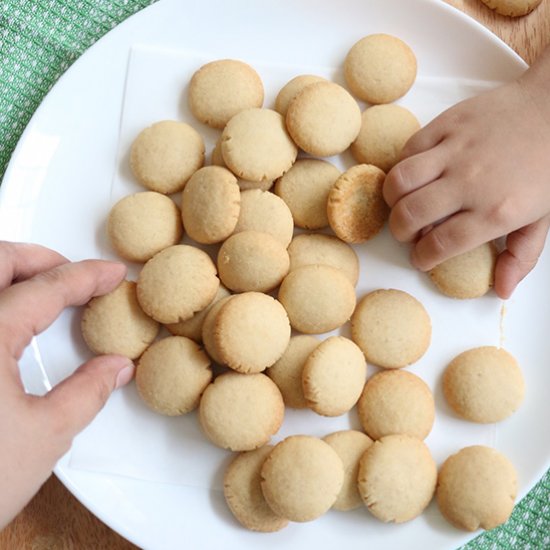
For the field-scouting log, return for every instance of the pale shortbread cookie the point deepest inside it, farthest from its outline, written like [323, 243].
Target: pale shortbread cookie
[243, 492]
[333, 376]
[292, 88]
[397, 478]
[391, 327]
[263, 211]
[172, 374]
[484, 384]
[396, 402]
[192, 328]
[221, 89]
[210, 205]
[468, 275]
[384, 131]
[302, 478]
[251, 260]
[208, 325]
[305, 188]
[115, 323]
[241, 412]
[323, 119]
[318, 248]
[512, 8]
[165, 155]
[256, 145]
[142, 224]
[350, 445]
[317, 298]
[356, 208]
[286, 372]
[476, 488]
[217, 160]
[251, 332]
[176, 283]
[380, 68]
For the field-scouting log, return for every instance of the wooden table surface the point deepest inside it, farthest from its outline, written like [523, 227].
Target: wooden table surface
[54, 519]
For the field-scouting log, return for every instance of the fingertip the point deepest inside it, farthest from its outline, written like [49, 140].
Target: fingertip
[125, 375]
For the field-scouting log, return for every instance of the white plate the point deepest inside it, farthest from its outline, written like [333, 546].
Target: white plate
[58, 189]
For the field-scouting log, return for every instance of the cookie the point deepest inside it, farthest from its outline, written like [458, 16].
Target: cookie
[391, 327]
[468, 275]
[384, 131]
[333, 376]
[251, 260]
[256, 146]
[291, 89]
[115, 323]
[208, 339]
[396, 402]
[356, 209]
[221, 89]
[476, 488]
[484, 384]
[142, 224]
[512, 8]
[251, 332]
[286, 372]
[172, 374]
[380, 68]
[176, 283]
[302, 478]
[165, 155]
[350, 445]
[397, 478]
[241, 412]
[265, 212]
[192, 328]
[243, 492]
[210, 205]
[317, 298]
[323, 119]
[323, 249]
[305, 188]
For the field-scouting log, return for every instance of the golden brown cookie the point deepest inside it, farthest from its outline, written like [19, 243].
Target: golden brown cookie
[512, 8]
[291, 89]
[208, 325]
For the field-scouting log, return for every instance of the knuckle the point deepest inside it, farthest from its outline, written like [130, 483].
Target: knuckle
[502, 212]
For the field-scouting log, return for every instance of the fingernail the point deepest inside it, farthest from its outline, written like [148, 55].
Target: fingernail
[124, 376]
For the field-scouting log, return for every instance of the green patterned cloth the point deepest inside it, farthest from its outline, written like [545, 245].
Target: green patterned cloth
[39, 40]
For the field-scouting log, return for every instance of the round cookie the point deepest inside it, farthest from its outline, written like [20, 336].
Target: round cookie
[323, 119]
[476, 488]
[356, 209]
[172, 374]
[286, 372]
[251, 260]
[265, 212]
[468, 275]
[302, 478]
[317, 298]
[241, 412]
[317, 248]
[243, 492]
[305, 188]
[391, 327]
[380, 68]
[142, 224]
[210, 204]
[256, 145]
[291, 89]
[333, 376]
[115, 323]
[384, 131]
[484, 384]
[350, 445]
[396, 402]
[221, 89]
[251, 332]
[165, 155]
[176, 283]
[208, 325]
[397, 478]
[512, 8]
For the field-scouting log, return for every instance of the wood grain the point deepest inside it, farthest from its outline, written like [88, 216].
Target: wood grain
[54, 519]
